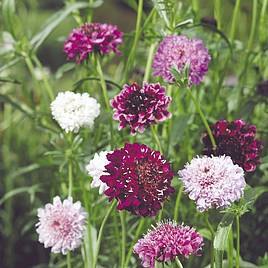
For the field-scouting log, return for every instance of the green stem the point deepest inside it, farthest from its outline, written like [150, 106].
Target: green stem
[149, 62]
[123, 241]
[103, 83]
[234, 20]
[179, 264]
[70, 177]
[262, 23]
[101, 232]
[156, 138]
[135, 41]
[177, 205]
[69, 260]
[137, 234]
[237, 259]
[212, 232]
[253, 25]
[105, 95]
[46, 83]
[217, 12]
[230, 249]
[205, 122]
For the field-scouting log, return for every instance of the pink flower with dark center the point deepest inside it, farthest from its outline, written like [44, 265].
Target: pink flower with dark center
[61, 225]
[236, 139]
[177, 51]
[213, 182]
[139, 178]
[167, 241]
[92, 37]
[140, 107]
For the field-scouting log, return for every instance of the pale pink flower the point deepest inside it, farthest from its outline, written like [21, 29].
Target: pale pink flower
[61, 225]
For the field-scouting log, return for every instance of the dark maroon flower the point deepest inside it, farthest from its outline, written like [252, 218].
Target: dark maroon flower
[236, 139]
[139, 178]
[140, 107]
[262, 88]
[92, 37]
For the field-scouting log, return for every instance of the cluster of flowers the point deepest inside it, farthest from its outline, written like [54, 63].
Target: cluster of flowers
[138, 177]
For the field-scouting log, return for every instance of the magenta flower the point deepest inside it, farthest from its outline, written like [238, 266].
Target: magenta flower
[92, 37]
[236, 139]
[167, 241]
[213, 182]
[139, 107]
[177, 51]
[139, 178]
[61, 225]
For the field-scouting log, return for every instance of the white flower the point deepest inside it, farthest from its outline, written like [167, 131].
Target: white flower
[96, 168]
[74, 110]
[61, 225]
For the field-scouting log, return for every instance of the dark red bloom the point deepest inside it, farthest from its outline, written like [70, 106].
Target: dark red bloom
[236, 139]
[92, 37]
[139, 178]
[140, 107]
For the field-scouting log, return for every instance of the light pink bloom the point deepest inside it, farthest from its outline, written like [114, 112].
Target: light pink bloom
[213, 181]
[61, 225]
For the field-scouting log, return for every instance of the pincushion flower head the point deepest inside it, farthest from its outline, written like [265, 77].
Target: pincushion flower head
[96, 168]
[179, 51]
[139, 107]
[139, 178]
[236, 139]
[167, 241]
[92, 37]
[61, 225]
[213, 182]
[74, 110]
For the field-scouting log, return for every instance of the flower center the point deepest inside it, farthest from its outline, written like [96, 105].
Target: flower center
[149, 177]
[138, 101]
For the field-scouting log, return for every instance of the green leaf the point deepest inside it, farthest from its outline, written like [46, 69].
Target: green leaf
[63, 69]
[19, 106]
[221, 236]
[163, 8]
[9, 80]
[9, 16]
[30, 190]
[56, 19]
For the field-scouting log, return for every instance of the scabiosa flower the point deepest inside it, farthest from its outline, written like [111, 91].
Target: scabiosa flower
[178, 51]
[262, 88]
[139, 178]
[167, 241]
[96, 168]
[74, 110]
[140, 107]
[92, 37]
[236, 139]
[213, 181]
[61, 225]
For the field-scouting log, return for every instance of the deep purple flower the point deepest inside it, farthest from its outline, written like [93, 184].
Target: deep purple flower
[140, 107]
[236, 139]
[167, 241]
[92, 37]
[178, 50]
[139, 178]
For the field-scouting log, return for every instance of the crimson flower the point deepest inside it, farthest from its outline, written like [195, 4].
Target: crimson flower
[139, 178]
[237, 140]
